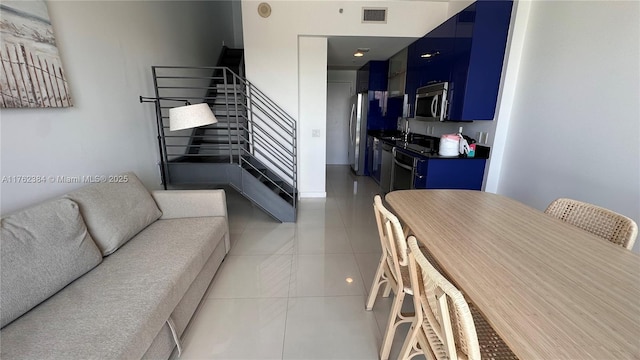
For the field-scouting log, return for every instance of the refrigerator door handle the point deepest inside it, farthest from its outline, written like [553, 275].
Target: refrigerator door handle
[353, 108]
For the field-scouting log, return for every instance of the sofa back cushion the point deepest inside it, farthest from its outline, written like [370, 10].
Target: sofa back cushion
[116, 211]
[42, 250]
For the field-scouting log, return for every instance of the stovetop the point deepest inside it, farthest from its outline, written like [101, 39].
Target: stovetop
[424, 145]
[416, 148]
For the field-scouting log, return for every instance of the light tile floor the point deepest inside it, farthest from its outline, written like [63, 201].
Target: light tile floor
[297, 291]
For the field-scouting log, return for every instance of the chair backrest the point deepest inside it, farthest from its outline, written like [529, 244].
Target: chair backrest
[451, 332]
[392, 239]
[605, 223]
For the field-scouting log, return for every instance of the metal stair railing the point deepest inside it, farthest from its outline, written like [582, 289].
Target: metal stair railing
[258, 131]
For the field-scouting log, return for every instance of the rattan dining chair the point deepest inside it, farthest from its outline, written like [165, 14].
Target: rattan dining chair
[392, 272]
[445, 326]
[599, 221]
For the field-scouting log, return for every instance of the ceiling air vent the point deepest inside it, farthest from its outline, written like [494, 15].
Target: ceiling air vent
[374, 15]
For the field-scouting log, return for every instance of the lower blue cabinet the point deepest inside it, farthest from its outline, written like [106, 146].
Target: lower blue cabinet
[438, 173]
[374, 158]
[420, 174]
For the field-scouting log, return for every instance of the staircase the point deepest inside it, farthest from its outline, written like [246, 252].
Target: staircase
[251, 148]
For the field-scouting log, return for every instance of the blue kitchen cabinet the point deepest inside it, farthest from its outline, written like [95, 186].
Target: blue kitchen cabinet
[420, 174]
[394, 110]
[429, 59]
[378, 79]
[413, 75]
[442, 173]
[376, 117]
[476, 69]
[372, 76]
[371, 79]
[467, 51]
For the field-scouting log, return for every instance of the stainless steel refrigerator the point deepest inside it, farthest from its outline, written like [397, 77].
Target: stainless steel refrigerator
[358, 132]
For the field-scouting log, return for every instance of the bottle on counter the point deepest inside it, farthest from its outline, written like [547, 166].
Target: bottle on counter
[472, 148]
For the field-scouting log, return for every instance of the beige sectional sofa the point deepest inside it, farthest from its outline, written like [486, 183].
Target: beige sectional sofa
[110, 271]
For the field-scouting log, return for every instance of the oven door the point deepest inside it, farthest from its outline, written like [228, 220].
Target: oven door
[402, 171]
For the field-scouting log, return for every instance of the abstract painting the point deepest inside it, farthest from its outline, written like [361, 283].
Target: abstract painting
[31, 73]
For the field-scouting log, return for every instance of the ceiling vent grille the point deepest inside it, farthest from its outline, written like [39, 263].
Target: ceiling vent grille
[374, 15]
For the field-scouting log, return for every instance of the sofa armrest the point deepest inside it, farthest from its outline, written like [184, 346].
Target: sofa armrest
[176, 204]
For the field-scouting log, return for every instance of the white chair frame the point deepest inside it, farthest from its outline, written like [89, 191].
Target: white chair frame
[432, 331]
[607, 224]
[392, 272]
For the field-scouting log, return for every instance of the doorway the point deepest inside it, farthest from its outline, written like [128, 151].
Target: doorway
[338, 103]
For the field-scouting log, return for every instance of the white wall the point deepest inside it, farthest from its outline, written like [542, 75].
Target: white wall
[107, 49]
[455, 6]
[346, 76]
[236, 7]
[575, 126]
[313, 90]
[272, 58]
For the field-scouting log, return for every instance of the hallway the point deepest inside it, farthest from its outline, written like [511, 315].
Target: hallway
[297, 291]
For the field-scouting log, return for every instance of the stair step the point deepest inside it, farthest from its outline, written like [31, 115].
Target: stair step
[215, 137]
[288, 198]
[214, 142]
[214, 147]
[224, 127]
[271, 186]
[222, 130]
[229, 87]
[255, 173]
[222, 106]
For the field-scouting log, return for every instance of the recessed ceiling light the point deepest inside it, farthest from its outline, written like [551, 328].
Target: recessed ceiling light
[431, 54]
[360, 52]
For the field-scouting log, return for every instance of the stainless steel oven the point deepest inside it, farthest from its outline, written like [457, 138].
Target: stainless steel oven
[386, 167]
[431, 102]
[402, 171]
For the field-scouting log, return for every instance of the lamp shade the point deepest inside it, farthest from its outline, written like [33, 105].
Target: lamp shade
[190, 116]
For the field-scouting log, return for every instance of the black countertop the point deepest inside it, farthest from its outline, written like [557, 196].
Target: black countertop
[422, 145]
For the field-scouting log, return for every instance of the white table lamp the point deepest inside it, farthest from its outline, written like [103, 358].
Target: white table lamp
[190, 116]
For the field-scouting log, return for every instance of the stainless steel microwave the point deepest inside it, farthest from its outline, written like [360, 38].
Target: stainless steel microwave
[431, 102]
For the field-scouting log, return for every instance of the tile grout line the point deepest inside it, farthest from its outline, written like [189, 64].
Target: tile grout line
[286, 312]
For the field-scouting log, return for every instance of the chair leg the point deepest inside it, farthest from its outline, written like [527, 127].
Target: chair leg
[395, 318]
[425, 348]
[387, 290]
[411, 342]
[377, 281]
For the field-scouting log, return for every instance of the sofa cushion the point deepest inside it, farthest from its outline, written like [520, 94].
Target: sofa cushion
[43, 249]
[115, 212]
[116, 310]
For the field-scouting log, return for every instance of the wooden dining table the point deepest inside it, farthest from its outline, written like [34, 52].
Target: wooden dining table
[549, 289]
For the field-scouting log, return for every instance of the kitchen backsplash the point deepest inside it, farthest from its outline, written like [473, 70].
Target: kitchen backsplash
[438, 128]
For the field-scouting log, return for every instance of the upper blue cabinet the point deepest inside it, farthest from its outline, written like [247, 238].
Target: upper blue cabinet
[467, 51]
[372, 76]
[430, 59]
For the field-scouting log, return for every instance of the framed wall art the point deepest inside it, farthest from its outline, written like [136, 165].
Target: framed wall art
[31, 75]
